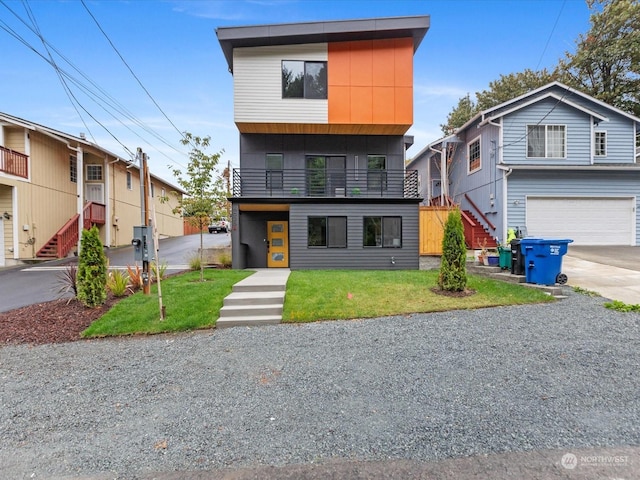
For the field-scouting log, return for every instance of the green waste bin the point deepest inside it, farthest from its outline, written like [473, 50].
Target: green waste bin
[505, 257]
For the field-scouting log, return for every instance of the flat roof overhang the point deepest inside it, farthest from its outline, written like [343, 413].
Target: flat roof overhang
[322, 32]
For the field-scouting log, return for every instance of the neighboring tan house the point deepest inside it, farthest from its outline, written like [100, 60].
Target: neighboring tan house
[51, 183]
[553, 163]
[322, 109]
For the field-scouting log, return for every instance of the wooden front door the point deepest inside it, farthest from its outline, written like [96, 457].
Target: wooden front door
[278, 246]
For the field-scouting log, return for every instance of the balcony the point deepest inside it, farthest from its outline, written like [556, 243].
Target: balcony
[334, 183]
[14, 163]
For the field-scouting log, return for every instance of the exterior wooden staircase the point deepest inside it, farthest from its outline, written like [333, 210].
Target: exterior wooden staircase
[67, 237]
[476, 236]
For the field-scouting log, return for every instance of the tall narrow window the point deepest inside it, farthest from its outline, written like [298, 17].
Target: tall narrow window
[474, 155]
[73, 169]
[601, 144]
[274, 171]
[382, 232]
[376, 173]
[129, 181]
[328, 232]
[546, 141]
[302, 79]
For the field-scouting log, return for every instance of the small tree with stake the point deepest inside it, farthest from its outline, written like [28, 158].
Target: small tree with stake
[453, 268]
[204, 187]
[92, 270]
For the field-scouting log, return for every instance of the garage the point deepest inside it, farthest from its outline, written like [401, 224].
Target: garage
[587, 221]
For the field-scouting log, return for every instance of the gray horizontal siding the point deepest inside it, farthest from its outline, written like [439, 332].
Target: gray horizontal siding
[548, 112]
[355, 256]
[573, 184]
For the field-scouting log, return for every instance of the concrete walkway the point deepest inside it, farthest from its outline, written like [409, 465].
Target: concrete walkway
[256, 300]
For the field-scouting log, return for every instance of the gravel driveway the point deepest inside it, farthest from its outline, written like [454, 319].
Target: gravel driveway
[423, 387]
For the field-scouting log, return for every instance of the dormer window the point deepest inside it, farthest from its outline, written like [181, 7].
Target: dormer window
[302, 79]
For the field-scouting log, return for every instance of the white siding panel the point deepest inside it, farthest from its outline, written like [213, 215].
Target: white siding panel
[257, 85]
[587, 221]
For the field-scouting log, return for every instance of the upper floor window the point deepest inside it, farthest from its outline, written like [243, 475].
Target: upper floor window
[382, 232]
[129, 184]
[376, 172]
[473, 152]
[275, 166]
[601, 144]
[73, 169]
[94, 173]
[546, 141]
[302, 79]
[153, 190]
[328, 232]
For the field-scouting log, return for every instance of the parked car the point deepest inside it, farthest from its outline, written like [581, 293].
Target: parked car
[220, 226]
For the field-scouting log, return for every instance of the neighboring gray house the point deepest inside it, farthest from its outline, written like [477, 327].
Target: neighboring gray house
[555, 163]
[322, 109]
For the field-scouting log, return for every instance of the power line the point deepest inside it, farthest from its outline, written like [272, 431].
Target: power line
[544, 50]
[98, 95]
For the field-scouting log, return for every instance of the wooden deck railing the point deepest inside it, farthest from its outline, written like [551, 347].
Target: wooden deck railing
[14, 163]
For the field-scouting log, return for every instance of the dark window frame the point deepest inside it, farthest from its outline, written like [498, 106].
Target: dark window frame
[274, 176]
[326, 225]
[305, 84]
[381, 237]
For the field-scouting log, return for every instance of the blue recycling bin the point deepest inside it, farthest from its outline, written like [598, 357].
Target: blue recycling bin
[543, 260]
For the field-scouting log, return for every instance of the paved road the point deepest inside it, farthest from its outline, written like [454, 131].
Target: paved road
[26, 285]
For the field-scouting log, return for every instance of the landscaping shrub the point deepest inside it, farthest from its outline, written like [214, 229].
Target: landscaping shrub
[92, 270]
[453, 267]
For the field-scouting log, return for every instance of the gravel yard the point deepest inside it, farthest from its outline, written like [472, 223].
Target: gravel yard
[420, 388]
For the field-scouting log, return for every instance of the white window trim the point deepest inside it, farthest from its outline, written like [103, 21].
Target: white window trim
[92, 165]
[546, 143]
[479, 140]
[606, 142]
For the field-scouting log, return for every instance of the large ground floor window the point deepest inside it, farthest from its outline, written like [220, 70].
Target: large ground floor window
[382, 232]
[328, 232]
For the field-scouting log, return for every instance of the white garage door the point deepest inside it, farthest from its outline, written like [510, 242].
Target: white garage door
[587, 221]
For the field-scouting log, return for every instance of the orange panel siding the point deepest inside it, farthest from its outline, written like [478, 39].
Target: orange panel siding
[383, 63]
[361, 68]
[339, 64]
[340, 105]
[361, 105]
[371, 83]
[403, 62]
[384, 105]
[404, 105]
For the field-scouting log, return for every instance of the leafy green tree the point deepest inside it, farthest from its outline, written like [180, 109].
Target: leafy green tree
[92, 269]
[204, 187]
[461, 114]
[453, 264]
[606, 63]
[506, 88]
[510, 86]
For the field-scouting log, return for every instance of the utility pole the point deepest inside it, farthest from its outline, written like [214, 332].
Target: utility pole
[146, 277]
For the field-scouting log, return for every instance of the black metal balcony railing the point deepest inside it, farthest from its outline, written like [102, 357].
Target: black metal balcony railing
[14, 163]
[291, 183]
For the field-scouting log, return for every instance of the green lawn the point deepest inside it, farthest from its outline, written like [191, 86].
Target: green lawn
[340, 294]
[190, 304]
[311, 295]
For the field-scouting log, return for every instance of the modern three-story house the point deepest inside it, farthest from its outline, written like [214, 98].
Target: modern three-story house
[322, 109]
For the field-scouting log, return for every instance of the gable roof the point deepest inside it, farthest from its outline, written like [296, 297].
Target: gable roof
[68, 139]
[534, 96]
[321, 32]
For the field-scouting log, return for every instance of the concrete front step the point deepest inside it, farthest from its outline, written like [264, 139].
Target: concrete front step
[251, 310]
[248, 321]
[254, 298]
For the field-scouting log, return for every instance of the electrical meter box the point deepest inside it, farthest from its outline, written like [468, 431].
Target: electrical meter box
[143, 248]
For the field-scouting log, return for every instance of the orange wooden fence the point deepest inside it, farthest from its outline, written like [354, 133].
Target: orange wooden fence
[431, 225]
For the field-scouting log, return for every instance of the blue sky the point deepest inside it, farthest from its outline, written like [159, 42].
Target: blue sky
[172, 48]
